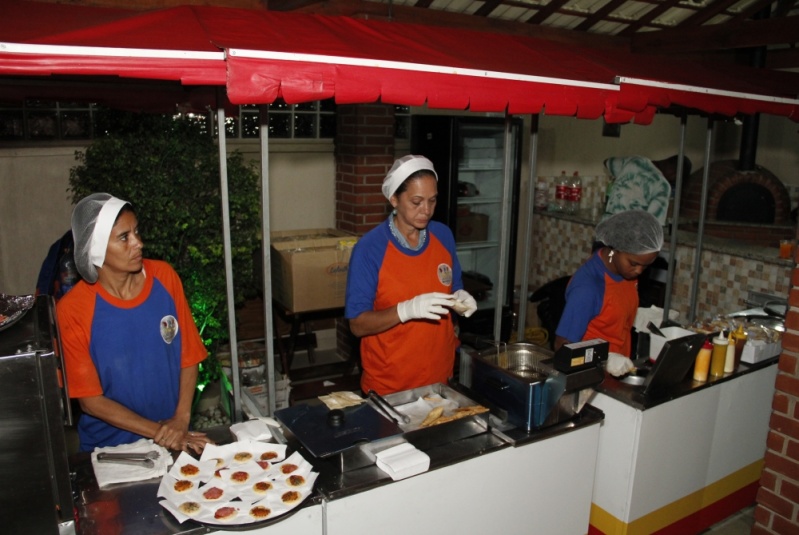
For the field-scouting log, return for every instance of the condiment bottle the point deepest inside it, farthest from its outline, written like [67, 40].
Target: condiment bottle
[739, 335]
[719, 356]
[729, 360]
[702, 363]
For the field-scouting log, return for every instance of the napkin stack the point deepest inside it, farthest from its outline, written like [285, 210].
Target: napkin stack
[110, 473]
[256, 429]
[403, 461]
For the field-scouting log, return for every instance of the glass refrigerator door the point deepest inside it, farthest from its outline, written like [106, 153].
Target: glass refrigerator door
[479, 206]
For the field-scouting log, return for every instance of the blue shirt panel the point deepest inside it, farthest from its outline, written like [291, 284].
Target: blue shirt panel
[136, 366]
[585, 295]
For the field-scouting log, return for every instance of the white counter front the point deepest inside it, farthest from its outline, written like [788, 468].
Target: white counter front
[542, 487]
[682, 465]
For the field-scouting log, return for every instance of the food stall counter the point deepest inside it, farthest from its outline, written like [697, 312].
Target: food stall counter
[504, 473]
[683, 460]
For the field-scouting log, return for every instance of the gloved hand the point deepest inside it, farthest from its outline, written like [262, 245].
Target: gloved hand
[465, 305]
[619, 365]
[425, 306]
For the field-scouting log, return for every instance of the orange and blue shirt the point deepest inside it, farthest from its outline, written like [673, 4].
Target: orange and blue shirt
[130, 351]
[383, 273]
[599, 304]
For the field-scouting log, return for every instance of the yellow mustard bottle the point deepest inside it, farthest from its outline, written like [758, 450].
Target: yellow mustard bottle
[740, 337]
[702, 364]
[719, 356]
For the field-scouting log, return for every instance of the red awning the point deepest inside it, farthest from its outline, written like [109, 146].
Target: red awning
[259, 56]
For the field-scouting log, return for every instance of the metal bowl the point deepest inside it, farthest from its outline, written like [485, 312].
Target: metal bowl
[635, 380]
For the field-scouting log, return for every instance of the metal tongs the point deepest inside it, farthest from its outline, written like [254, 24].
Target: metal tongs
[387, 409]
[146, 460]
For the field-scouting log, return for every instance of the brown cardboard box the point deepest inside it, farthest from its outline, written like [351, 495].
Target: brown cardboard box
[472, 227]
[309, 268]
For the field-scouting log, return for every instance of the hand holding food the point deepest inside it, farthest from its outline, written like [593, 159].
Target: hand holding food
[465, 304]
[429, 306]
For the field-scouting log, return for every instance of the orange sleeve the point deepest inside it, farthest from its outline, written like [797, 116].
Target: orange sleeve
[75, 312]
[193, 350]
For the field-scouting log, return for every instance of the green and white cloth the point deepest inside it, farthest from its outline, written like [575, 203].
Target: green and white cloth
[638, 185]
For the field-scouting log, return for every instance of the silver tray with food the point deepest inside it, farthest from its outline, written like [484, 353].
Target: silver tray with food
[243, 484]
[438, 414]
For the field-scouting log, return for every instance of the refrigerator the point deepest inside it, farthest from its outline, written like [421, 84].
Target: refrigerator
[36, 494]
[470, 159]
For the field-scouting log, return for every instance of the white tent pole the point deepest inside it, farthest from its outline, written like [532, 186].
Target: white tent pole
[507, 169]
[266, 259]
[528, 229]
[702, 215]
[231, 311]
[675, 220]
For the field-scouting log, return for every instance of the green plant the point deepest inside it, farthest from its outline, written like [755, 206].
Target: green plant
[168, 168]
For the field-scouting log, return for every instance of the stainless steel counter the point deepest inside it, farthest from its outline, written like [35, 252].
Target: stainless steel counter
[133, 509]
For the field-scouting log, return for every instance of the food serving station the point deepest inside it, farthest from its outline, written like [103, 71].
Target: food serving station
[478, 460]
[681, 459]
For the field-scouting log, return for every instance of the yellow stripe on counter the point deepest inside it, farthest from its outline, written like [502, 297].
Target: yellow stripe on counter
[604, 522]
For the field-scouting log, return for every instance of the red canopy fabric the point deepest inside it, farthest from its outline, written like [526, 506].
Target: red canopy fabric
[259, 56]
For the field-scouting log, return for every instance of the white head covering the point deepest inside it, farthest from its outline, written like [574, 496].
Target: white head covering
[92, 221]
[402, 169]
[633, 231]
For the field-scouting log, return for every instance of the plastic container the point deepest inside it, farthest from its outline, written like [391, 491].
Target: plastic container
[740, 337]
[729, 360]
[702, 364]
[561, 192]
[575, 193]
[719, 356]
[541, 197]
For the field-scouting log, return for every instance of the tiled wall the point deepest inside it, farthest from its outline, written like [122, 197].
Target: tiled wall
[560, 245]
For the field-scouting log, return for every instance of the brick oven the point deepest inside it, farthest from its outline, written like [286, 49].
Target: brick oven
[748, 205]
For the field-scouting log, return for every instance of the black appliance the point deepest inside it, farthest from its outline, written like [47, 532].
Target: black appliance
[469, 157]
[36, 494]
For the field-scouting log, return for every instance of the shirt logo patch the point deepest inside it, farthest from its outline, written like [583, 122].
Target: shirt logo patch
[445, 274]
[169, 328]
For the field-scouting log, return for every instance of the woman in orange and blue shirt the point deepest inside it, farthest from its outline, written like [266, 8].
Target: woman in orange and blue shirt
[131, 347]
[602, 296]
[403, 278]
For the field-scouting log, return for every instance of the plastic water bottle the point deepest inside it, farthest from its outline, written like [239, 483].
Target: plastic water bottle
[575, 193]
[541, 197]
[561, 192]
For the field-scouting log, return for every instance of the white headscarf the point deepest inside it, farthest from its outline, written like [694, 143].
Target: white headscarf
[92, 221]
[402, 169]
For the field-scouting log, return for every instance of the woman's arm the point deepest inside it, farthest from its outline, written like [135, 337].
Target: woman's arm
[374, 321]
[174, 432]
[118, 415]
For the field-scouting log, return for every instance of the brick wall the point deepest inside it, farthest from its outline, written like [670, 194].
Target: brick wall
[777, 510]
[364, 154]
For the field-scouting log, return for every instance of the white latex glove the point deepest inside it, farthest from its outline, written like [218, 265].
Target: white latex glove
[465, 305]
[425, 306]
[619, 365]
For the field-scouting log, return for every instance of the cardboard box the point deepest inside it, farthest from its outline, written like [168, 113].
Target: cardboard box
[309, 268]
[472, 227]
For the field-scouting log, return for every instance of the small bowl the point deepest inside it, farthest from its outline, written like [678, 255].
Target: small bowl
[635, 380]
